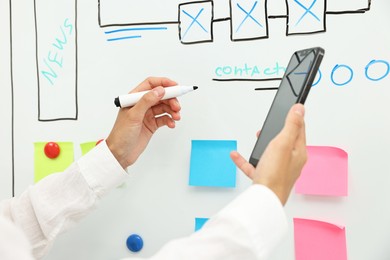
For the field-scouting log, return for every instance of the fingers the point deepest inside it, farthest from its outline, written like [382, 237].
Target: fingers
[165, 116]
[161, 113]
[300, 145]
[294, 133]
[152, 82]
[301, 140]
[166, 109]
[146, 102]
[165, 121]
[174, 104]
[243, 164]
[152, 98]
[294, 126]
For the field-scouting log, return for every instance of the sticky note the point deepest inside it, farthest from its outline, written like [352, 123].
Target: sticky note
[211, 164]
[199, 222]
[43, 165]
[325, 173]
[86, 147]
[319, 240]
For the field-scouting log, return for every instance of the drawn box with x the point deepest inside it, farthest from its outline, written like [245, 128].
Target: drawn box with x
[306, 16]
[195, 22]
[248, 19]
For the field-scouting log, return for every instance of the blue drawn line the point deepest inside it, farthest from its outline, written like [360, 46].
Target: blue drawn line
[300, 73]
[123, 38]
[307, 10]
[137, 29]
[248, 15]
[193, 21]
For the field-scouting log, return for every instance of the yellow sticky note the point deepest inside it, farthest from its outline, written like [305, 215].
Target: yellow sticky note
[86, 147]
[44, 166]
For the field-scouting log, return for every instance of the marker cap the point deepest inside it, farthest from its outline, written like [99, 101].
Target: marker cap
[116, 102]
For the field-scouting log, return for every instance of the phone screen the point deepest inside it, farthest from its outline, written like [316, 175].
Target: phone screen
[293, 88]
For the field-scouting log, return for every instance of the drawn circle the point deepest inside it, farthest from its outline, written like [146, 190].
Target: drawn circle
[374, 62]
[338, 67]
[134, 243]
[52, 150]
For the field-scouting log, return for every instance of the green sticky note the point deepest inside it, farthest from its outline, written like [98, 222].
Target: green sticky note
[86, 147]
[44, 166]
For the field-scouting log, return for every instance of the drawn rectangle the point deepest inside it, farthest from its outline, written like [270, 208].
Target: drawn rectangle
[196, 22]
[124, 12]
[248, 20]
[306, 16]
[56, 43]
[347, 5]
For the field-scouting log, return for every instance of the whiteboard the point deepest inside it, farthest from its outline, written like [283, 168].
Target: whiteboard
[6, 98]
[104, 51]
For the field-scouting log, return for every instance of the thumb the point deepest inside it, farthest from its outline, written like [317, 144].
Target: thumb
[147, 101]
[294, 122]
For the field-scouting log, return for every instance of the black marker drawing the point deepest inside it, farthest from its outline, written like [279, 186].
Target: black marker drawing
[57, 48]
[248, 19]
[56, 59]
[12, 100]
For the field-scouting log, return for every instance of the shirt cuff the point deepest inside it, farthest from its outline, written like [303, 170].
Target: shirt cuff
[101, 170]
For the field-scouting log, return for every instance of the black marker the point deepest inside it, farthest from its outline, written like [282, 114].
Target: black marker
[170, 92]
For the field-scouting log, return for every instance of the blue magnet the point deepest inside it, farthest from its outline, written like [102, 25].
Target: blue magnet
[134, 243]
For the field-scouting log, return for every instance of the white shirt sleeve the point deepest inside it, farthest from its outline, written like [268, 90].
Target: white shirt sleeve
[248, 228]
[60, 200]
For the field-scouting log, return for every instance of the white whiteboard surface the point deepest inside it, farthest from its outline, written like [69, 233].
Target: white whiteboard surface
[157, 202]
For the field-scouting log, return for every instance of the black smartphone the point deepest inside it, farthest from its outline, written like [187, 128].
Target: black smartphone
[294, 88]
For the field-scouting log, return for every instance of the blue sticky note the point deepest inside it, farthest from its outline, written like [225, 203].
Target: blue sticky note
[199, 222]
[211, 164]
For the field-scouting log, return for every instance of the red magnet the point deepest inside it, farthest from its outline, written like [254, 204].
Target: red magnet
[52, 150]
[98, 142]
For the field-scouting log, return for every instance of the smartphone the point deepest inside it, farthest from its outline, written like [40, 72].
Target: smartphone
[294, 88]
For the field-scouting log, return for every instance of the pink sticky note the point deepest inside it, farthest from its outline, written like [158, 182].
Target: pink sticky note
[319, 240]
[325, 173]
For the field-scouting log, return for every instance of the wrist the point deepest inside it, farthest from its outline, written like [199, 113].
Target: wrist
[117, 153]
